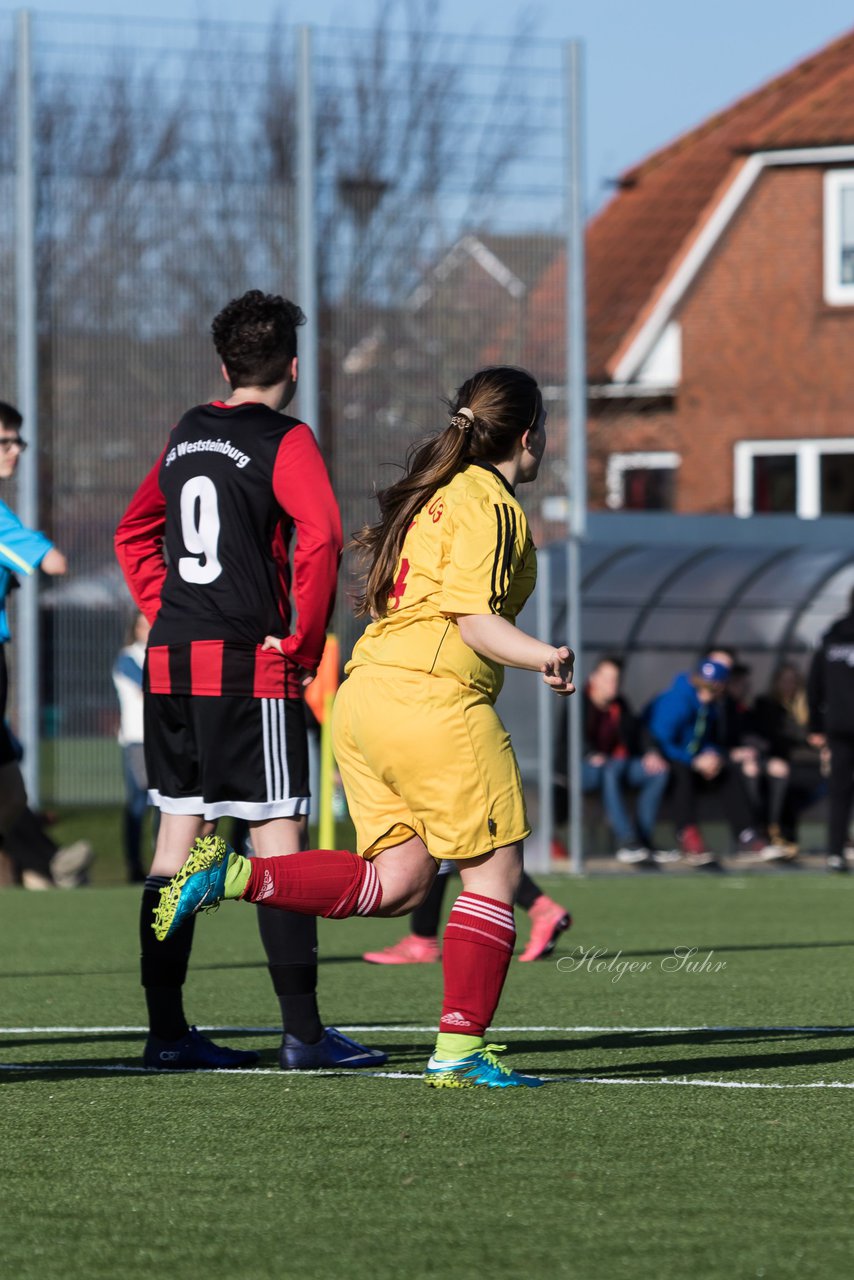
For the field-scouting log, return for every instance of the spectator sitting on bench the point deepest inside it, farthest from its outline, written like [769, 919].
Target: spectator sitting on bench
[684, 724]
[615, 761]
[792, 767]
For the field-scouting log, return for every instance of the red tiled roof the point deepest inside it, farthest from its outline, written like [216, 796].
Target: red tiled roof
[638, 239]
[824, 117]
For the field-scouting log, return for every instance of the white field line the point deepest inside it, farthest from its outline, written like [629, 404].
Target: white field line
[27, 1069]
[405, 1027]
[122, 1069]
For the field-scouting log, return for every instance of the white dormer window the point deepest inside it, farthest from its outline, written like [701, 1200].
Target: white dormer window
[839, 237]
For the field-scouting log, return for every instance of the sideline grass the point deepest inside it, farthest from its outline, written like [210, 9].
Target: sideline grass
[263, 1175]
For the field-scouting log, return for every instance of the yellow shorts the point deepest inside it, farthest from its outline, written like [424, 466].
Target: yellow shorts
[426, 755]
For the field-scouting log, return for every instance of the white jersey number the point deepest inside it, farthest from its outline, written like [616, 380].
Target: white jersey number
[200, 531]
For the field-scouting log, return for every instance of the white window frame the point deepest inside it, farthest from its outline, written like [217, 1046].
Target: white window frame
[808, 454]
[836, 293]
[620, 463]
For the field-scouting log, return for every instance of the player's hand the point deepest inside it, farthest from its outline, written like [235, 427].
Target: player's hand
[273, 642]
[557, 671]
[708, 764]
[54, 563]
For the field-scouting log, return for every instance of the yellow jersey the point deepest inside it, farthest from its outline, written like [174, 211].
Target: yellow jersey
[468, 551]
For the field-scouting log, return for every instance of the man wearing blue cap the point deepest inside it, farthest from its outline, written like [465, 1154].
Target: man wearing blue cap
[683, 722]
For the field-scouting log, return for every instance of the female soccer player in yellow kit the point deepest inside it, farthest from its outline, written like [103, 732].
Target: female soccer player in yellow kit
[427, 765]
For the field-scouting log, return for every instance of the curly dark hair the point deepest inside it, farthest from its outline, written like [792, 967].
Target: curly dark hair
[256, 338]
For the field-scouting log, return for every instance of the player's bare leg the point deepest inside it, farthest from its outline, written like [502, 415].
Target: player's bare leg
[176, 834]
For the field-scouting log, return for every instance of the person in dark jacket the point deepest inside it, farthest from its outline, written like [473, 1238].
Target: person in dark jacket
[830, 692]
[683, 721]
[617, 761]
[791, 767]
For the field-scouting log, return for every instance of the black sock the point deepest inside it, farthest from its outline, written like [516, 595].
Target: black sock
[425, 919]
[290, 941]
[753, 788]
[777, 788]
[163, 967]
[527, 893]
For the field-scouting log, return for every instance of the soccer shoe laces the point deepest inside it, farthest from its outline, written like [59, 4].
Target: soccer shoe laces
[206, 852]
[488, 1052]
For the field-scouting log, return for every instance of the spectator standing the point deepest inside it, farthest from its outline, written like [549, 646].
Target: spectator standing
[830, 691]
[39, 861]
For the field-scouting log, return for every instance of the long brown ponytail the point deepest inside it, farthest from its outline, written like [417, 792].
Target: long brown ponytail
[501, 404]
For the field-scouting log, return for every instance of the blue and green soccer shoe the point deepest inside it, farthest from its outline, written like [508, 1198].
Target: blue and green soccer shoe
[479, 1068]
[198, 886]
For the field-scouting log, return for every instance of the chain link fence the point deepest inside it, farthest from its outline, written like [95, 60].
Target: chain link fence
[166, 161]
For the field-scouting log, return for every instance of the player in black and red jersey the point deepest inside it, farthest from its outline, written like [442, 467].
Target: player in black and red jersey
[204, 546]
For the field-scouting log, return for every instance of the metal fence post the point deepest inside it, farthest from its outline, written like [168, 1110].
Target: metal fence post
[309, 386]
[27, 638]
[545, 725]
[576, 372]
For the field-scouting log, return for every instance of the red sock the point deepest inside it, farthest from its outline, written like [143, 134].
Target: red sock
[318, 882]
[476, 953]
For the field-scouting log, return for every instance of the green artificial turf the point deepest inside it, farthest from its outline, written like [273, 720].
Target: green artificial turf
[608, 1171]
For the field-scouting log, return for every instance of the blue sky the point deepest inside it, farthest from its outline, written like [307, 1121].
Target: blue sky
[654, 68]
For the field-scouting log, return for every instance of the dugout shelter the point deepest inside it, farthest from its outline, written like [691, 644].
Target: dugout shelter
[660, 589]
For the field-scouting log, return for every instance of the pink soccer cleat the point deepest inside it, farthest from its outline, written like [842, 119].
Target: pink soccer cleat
[408, 950]
[548, 921]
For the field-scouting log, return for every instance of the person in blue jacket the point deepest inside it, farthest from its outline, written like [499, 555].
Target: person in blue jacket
[683, 723]
[23, 551]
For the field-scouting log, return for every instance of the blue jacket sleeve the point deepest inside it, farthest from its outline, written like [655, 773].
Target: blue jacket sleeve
[666, 720]
[21, 549]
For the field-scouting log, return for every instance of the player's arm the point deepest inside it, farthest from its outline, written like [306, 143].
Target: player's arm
[139, 544]
[24, 550]
[499, 640]
[302, 489]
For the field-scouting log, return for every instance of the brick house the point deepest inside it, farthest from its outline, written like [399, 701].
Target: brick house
[721, 309]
